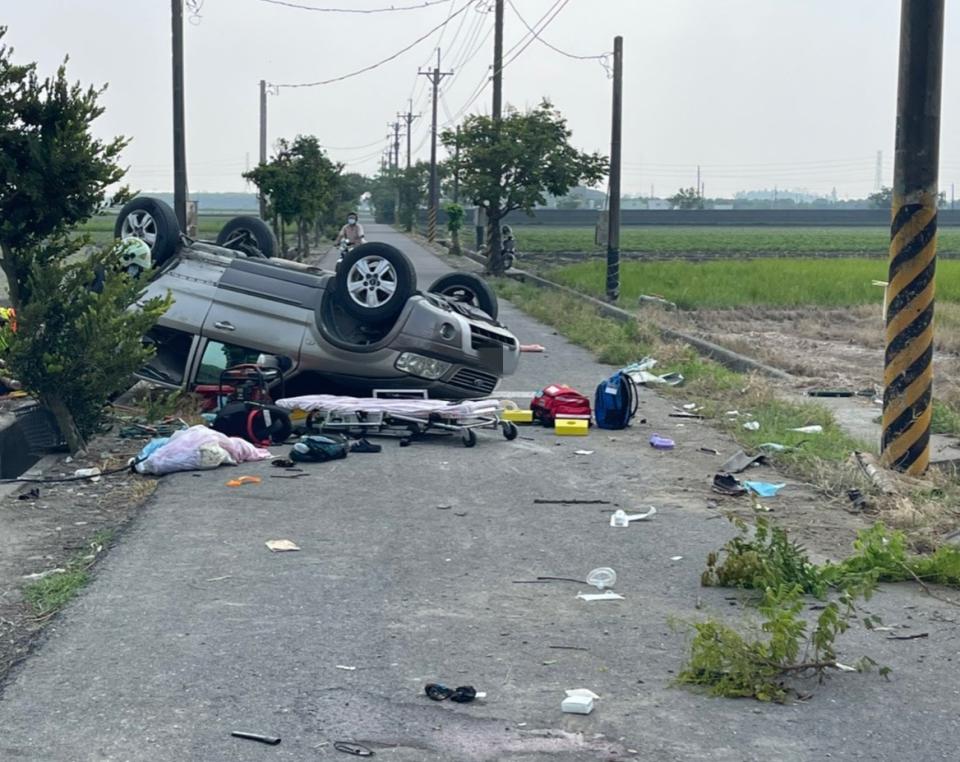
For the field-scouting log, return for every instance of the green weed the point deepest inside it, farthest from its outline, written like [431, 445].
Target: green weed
[53, 592]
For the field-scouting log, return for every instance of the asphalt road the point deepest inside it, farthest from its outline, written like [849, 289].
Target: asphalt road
[407, 574]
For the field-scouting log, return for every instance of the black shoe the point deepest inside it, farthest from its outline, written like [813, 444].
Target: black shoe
[364, 446]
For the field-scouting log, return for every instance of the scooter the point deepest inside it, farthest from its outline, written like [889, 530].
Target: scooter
[344, 250]
[508, 248]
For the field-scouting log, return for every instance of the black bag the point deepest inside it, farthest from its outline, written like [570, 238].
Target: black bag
[254, 421]
[319, 448]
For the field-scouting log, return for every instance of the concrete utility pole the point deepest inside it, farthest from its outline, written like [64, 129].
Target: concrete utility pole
[613, 217]
[434, 76]
[263, 141]
[179, 132]
[456, 169]
[408, 118]
[396, 145]
[494, 236]
[908, 371]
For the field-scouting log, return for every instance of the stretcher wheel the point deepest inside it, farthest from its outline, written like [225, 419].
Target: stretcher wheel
[510, 430]
[469, 438]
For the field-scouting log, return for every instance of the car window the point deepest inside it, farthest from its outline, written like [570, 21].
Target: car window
[172, 350]
[218, 356]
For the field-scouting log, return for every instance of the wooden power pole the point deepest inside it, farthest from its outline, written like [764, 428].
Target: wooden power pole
[908, 368]
[613, 219]
[494, 239]
[408, 118]
[179, 132]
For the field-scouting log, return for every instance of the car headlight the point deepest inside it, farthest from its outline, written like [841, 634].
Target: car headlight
[424, 367]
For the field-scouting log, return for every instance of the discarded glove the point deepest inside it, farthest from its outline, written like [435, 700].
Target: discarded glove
[464, 694]
[365, 446]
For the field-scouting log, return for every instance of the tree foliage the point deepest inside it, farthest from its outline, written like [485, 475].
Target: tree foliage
[512, 164]
[73, 348]
[303, 186]
[686, 198]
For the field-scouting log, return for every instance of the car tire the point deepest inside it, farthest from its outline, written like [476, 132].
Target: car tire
[249, 235]
[469, 288]
[153, 221]
[374, 282]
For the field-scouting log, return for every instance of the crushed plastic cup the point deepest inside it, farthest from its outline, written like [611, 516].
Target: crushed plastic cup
[619, 519]
[661, 443]
[602, 577]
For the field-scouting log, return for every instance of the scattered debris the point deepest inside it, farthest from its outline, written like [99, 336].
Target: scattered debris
[356, 749]
[583, 452]
[840, 393]
[621, 518]
[269, 740]
[814, 429]
[676, 558]
[774, 447]
[577, 704]
[661, 443]
[570, 648]
[867, 462]
[909, 637]
[602, 577]
[857, 501]
[241, 480]
[44, 574]
[685, 414]
[345, 667]
[88, 473]
[712, 504]
[607, 595]
[708, 450]
[732, 413]
[285, 476]
[33, 494]
[752, 425]
[740, 462]
[658, 300]
[727, 484]
[571, 501]
[282, 546]
[532, 348]
[764, 489]
[444, 507]
[463, 694]
[639, 373]
[364, 445]
[282, 463]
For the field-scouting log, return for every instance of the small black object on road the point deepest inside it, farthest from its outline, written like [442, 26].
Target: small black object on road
[357, 749]
[269, 740]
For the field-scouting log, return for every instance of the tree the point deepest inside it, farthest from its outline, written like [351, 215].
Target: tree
[686, 198]
[413, 183]
[73, 348]
[302, 186]
[882, 199]
[512, 164]
[454, 224]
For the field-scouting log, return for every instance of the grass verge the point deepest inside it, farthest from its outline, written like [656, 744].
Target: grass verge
[815, 458]
[51, 593]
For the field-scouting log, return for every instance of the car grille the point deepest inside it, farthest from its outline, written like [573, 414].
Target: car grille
[474, 380]
[481, 338]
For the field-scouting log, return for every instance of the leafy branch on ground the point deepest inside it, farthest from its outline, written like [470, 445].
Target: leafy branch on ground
[51, 593]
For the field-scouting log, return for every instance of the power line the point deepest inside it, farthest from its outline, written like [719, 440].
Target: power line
[534, 33]
[371, 67]
[599, 57]
[392, 9]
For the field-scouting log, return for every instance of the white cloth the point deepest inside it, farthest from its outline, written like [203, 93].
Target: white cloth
[329, 403]
[198, 448]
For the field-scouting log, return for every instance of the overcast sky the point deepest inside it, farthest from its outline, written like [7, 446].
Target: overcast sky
[761, 93]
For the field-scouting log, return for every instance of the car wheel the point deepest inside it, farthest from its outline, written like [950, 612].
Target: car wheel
[374, 281]
[249, 235]
[469, 288]
[153, 221]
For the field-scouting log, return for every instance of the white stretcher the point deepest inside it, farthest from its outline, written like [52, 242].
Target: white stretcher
[406, 418]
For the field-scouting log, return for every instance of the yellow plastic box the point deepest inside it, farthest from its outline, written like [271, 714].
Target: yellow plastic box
[571, 427]
[517, 416]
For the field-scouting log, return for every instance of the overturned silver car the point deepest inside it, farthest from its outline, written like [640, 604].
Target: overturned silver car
[362, 328]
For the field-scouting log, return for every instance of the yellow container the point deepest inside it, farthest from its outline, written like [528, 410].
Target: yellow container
[517, 416]
[571, 427]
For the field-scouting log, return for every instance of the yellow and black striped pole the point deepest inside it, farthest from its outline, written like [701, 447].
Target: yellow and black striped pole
[908, 363]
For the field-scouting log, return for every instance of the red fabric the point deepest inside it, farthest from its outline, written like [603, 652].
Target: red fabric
[559, 401]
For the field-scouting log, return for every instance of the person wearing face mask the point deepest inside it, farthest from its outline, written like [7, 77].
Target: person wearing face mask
[352, 232]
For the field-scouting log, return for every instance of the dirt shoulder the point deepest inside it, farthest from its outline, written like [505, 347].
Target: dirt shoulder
[66, 523]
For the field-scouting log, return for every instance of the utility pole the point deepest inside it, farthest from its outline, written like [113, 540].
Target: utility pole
[908, 369]
[613, 216]
[408, 118]
[493, 227]
[396, 145]
[263, 141]
[434, 76]
[878, 172]
[179, 133]
[456, 170]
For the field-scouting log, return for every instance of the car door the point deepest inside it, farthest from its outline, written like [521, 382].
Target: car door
[255, 307]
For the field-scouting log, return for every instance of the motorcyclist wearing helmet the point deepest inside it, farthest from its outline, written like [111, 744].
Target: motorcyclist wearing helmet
[352, 232]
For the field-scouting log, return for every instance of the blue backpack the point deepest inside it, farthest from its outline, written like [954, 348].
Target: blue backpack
[616, 401]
